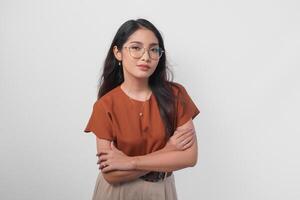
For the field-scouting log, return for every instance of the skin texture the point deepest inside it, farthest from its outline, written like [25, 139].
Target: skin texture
[135, 79]
[181, 149]
[180, 152]
[114, 159]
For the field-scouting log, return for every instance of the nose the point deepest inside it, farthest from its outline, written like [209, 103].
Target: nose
[146, 56]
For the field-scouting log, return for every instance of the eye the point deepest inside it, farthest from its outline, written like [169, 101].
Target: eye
[136, 48]
[155, 49]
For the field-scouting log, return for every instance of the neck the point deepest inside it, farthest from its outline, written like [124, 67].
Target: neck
[137, 87]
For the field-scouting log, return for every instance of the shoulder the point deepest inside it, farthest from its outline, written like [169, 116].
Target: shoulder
[106, 101]
[181, 95]
[178, 89]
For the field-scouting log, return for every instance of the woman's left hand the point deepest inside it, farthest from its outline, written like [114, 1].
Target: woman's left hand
[114, 159]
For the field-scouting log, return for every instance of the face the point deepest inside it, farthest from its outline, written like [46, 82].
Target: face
[134, 62]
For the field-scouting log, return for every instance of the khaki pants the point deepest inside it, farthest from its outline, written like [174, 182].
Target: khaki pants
[135, 190]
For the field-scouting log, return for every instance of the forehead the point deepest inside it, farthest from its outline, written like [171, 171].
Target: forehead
[143, 36]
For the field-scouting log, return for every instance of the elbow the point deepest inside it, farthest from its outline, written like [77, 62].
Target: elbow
[193, 164]
[109, 179]
[112, 182]
[193, 161]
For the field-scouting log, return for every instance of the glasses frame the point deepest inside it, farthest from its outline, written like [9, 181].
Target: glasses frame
[144, 50]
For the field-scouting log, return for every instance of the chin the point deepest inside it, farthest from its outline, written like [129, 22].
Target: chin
[142, 76]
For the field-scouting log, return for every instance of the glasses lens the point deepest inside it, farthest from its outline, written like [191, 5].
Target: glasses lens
[137, 52]
[155, 52]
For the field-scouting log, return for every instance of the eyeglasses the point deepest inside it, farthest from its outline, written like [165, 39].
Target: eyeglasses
[137, 52]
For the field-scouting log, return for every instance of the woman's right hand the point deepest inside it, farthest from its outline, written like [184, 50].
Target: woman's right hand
[182, 139]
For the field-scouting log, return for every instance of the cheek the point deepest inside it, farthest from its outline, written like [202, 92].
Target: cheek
[129, 63]
[154, 66]
[129, 66]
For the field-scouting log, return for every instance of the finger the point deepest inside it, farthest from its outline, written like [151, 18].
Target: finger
[184, 131]
[189, 130]
[188, 145]
[179, 137]
[101, 159]
[106, 156]
[101, 167]
[178, 134]
[107, 169]
[104, 170]
[103, 152]
[107, 151]
[185, 140]
[186, 134]
[104, 164]
[182, 143]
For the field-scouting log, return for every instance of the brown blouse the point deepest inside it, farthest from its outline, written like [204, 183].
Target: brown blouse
[116, 117]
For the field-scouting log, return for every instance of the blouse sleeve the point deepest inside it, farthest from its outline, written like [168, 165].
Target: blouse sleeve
[186, 108]
[100, 122]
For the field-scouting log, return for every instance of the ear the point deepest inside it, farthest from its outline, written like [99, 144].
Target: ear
[117, 53]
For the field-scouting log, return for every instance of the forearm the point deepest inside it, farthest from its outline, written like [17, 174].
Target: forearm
[118, 176]
[167, 161]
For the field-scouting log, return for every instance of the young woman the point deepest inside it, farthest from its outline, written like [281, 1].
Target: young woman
[142, 120]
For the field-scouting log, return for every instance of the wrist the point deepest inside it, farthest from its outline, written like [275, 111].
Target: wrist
[170, 147]
[134, 162]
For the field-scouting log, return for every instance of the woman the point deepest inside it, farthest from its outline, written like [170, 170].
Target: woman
[142, 120]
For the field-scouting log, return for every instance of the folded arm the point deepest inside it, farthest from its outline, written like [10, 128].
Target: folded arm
[169, 160]
[118, 176]
[166, 159]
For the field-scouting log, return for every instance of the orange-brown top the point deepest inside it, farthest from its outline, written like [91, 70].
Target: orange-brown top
[116, 117]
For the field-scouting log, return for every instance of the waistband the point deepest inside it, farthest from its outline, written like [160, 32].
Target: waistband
[156, 176]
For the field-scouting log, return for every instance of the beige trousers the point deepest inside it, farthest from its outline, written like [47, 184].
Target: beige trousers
[135, 190]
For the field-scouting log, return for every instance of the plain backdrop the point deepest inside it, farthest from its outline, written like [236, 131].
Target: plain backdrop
[238, 60]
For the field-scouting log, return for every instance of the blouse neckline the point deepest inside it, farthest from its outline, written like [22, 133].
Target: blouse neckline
[130, 98]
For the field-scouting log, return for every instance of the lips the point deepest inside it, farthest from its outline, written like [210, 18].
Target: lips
[144, 66]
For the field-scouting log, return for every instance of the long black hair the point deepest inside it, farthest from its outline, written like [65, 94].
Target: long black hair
[159, 82]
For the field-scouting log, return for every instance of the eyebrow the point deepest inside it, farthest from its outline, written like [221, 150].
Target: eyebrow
[152, 44]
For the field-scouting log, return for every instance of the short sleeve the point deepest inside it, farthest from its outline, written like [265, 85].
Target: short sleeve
[100, 122]
[186, 108]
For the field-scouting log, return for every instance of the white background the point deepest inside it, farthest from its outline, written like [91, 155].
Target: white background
[238, 60]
